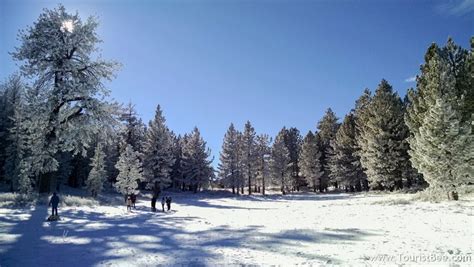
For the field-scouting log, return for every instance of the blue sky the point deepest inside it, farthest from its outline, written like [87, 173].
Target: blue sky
[275, 63]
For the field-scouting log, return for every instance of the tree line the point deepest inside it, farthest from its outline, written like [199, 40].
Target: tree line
[384, 143]
[57, 125]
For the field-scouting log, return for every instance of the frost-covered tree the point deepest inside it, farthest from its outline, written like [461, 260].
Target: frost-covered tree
[384, 134]
[98, 174]
[229, 165]
[249, 156]
[196, 165]
[130, 171]
[327, 127]
[280, 162]
[264, 152]
[441, 137]
[58, 54]
[13, 134]
[345, 164]
[158, 153]
[360, 116]
[310, 161]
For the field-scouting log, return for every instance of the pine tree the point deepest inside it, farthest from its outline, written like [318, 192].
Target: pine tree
[327, 127]
[177, 172]
[229, 165]
[133, 131]
[249, 157]
[130, 171]
[56, 53]
[361, 116]
[344, 163]
[446, 146]
[197, 168]
[440, 100]
[14, 136]
[293, 142]
[98, 174]
[310, 161]
[158, 154]
[384, 137]
[280, 163]
[263, 152]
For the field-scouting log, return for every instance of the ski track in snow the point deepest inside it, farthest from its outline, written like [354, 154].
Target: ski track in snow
[210, 229]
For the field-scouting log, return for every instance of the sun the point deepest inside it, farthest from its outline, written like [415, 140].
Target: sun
[67, 25]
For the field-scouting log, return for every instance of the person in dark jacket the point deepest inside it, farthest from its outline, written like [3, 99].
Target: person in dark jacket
[163, 201]
[53, 202]
[153, 203]
[168, 203]
[134, 199]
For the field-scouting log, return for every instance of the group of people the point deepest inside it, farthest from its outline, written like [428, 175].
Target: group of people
[164, 200]
[130, 201]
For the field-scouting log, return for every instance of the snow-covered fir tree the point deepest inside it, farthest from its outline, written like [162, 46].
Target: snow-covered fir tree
[249, 156]
[280, 163]
[310, 161]
[57, 54]
[229, 165]
[98, 174]
[384, 134]
[264, 152]
[327, 127]
[344, 162]
[130, 171]
[196, 164]
[158, 156]
[441, 139]
[360, 117]
[13, 134]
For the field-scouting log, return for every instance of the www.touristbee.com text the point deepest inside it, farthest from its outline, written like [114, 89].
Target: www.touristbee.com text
[422, 258]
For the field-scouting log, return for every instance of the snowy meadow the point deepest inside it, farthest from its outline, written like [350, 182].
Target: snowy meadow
[215, 228]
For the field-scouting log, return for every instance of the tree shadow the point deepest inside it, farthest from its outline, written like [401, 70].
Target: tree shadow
[89, 237]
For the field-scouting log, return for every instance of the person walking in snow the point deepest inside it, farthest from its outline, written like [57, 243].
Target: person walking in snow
[53, 202]
[134, 199]
[163, 203]
[153, 203]
[168, 203]
[129, 203]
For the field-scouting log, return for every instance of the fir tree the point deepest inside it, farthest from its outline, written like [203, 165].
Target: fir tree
[361, 116]
[229, 165]
[280, 163]
[133, 131]
[263, 152]
[293, 142]
[97, 175]
[384, 137]
[196, 165]
[130, 171]
[158, 153]
[177, 172]
[327, 127]
[249, 156]
[344, 163]
[440, 101]
[310, 161]
[57, 54]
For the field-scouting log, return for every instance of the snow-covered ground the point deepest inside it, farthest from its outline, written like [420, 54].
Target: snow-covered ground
[215, 229]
